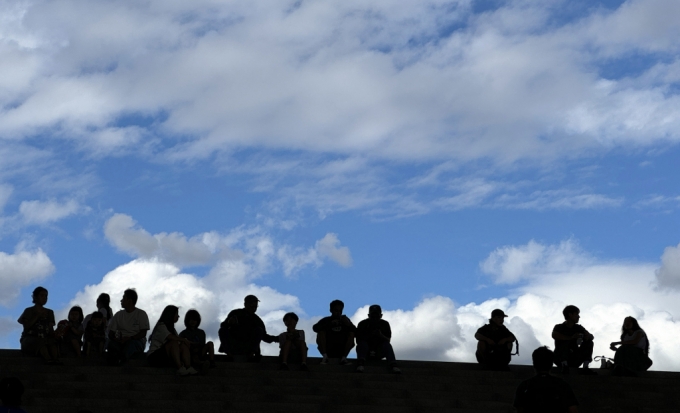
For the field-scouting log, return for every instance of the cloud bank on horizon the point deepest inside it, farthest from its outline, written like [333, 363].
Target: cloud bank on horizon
[324, 121]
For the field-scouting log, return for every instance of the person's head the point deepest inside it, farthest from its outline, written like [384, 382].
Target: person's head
[290, 320]
[571, 313]
[497, 317]
[169, 317]
[542, 359]
[39, 296]
[336, 308]
[129, 300]
[630, 325]
[11, 390]
[104, 301]
[75, 315]
[375, 311]
[192, 319]
[250, 303]
[97, 319]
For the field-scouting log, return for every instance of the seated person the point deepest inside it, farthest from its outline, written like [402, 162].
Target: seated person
[573, 343]
[373, 340]
[494, 342]
[292, 343]
[335, 334]
[243, 330]
[38, 338]
[11, 390]
[127, 330]
[632, 355]
[544, 392]
[166, 348]
[199, 349]
[95, 334]
[70, 332]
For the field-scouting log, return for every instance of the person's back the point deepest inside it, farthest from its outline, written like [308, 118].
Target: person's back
[544, 393]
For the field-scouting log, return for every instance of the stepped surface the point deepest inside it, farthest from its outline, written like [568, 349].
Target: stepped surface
[261, 387]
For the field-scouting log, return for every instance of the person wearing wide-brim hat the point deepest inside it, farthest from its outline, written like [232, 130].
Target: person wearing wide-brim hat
[494, 342]
[243, 330]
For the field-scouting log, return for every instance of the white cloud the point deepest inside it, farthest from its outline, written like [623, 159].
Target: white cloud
[668, 275]
[208, 248]
[511, 264]
[7, 325]
[43, 212]
[21, 269]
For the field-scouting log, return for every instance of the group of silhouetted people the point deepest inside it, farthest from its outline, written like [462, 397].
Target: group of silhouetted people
[123, 335]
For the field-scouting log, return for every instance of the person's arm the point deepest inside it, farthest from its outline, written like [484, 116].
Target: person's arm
[481, 337]
[561, 337]
[266, 337]
[320, 325]
[30, 316]
[140, 335]
[385, 332]
[586, 334]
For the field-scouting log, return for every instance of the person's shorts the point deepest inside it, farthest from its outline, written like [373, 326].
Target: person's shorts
[160, 358]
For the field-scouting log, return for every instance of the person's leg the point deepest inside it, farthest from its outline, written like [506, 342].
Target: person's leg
[114, 352]
[185, 354]
[500, 357]
[585, 351]
[172, 350]
[321, 344]
[53, 350]
[388, 352]
[480, 354]
[285, 349]
[303, 351]
[76, 346]
[349, 344]
[209, 350]
[223, 334]
[561, 356]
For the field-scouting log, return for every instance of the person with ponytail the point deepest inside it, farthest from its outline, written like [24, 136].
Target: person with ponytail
[166, 348]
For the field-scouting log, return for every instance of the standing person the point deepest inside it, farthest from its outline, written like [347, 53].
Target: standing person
[335, 334]
[127, 330]
[573, 343]
[71, 340]
[166, 348]
[373, 340]
[243, 330]
[200, 349]
[292, 340]
[494, 345]
[544, 393]
[11, 390]
[38, 339]
[632, 355]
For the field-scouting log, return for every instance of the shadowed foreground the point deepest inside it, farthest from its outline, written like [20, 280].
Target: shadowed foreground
[244, 387]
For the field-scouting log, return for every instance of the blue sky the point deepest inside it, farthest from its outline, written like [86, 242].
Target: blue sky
[441, 158]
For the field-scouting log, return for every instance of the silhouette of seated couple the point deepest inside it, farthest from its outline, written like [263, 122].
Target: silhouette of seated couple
[573, 345]
[242, 332]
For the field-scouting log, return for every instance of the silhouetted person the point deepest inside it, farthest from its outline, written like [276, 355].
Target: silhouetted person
[544, 393]
[292, 343]
[632, 355]
[335, 334]
[38, 338]
[573, 343]
[373, 340]
[201, 351]
[71, 332]
[103, 306]
[166, 348]
[127, 330]
[11, 390]
[95, 334]
[495, 341]
[243, 330]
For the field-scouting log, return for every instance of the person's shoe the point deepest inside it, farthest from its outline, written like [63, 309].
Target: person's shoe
[192, 371]
[182, 371]
[284, 366]
[345, 362]
[586, 371]
[324, 361]
[303, 367]
[213, 364]
[565, 370]
[396, 370]
[360, 369]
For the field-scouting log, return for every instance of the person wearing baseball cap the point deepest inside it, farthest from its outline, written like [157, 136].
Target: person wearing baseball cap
[373, 340]
[243, 330]
[494, 343]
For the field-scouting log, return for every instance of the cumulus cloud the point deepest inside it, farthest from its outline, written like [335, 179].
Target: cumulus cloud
[44, 212]
[511, 264]
[21, 269]
[209, 248]
[668, 275]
